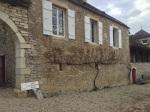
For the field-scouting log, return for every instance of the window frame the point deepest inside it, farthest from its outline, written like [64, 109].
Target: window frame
[115, 37]
[95, 30]
[144, 42]
[64, 21]
[117, 44]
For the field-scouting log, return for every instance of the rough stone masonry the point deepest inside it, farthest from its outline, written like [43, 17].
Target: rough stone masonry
[64, 65]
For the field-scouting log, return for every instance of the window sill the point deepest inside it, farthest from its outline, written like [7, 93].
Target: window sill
[145, 43]
[92, 43]
[59, 37]
[115, 48]
[71, 39]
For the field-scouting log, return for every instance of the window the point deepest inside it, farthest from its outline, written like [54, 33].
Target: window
[145, 41]
[58, 21]
[93, 30]
[115, 37]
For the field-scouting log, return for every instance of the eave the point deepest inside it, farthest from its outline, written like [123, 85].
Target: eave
[22, 3]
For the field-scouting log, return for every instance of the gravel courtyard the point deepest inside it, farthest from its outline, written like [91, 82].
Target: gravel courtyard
[133, 98]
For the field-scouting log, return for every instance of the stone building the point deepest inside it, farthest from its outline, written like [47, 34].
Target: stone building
[139, 47]
[140, 53]
[66, 45]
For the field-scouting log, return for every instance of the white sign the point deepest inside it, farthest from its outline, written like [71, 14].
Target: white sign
[29, 86]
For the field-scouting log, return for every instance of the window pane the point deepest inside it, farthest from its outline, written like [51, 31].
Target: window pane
[58, 21]
[54, 20]
[61, 23]
[145, 41]
[93, 30]
[115, 37]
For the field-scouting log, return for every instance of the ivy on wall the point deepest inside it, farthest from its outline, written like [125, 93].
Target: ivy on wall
[23, 3]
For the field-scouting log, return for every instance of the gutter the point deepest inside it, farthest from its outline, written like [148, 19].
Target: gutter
[22, 3]
[97, 11]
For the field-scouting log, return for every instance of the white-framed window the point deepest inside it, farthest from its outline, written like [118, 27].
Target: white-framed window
[145, 41]
[55, 19]
[58, 21]
[115, 37]
[91, 30]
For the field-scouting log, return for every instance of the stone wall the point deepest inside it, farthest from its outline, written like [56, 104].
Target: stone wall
[18, 15]
[7, 49]
[142, 69]
[112, 75]
[16, 19]
[63, 65]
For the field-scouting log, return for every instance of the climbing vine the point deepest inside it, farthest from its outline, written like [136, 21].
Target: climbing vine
[82, 54]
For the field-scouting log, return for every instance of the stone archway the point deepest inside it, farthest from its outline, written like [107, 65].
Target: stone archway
[20, 48]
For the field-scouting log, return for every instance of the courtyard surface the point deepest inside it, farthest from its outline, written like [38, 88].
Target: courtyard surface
[135, 98]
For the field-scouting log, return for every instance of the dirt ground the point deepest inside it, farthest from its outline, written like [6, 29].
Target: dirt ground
[133, 98]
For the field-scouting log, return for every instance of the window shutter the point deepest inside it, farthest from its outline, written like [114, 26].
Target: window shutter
[47, 17]
[100, 24]
[71, 23]
[87, 29]
[111, 36]
[120, 39]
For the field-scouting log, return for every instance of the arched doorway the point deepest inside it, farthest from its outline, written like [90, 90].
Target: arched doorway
[7, 56]
[12, 53]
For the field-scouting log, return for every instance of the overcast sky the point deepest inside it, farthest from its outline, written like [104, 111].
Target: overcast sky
[134, 13]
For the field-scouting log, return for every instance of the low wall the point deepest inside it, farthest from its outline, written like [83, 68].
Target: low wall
[112, 75]
[142, 69]
[77, 78]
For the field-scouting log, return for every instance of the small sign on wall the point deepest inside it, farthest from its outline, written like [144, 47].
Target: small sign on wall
[29, 86]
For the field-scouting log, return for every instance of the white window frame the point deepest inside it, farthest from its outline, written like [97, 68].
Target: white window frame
[116, 42]
[144, 40]
[64, 22]
[95, 28]
[119, 44]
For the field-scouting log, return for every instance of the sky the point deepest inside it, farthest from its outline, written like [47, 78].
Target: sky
[134, 13]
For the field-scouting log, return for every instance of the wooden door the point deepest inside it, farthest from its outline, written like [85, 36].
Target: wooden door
[134, 75]
[2, 70]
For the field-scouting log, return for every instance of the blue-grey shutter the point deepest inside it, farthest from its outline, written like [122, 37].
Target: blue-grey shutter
[87, 29]
[111, 36]
[47, 17]
[120, 39]
[100, 25]
[71, 24]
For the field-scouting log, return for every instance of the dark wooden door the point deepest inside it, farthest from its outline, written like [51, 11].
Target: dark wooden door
[2, 70]
[134, 75]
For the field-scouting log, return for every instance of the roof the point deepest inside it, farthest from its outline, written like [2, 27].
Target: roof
[23, 3]
[99, 12]
[140, 35]
[135, 44]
